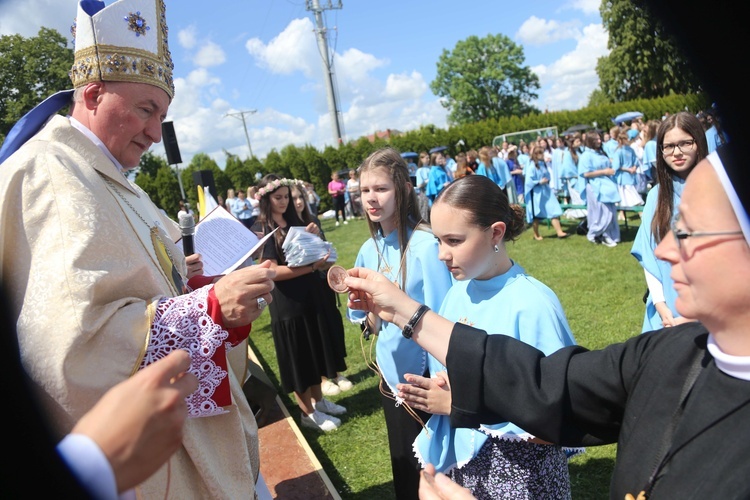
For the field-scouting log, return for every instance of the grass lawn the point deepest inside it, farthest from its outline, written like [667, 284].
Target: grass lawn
[601, 290]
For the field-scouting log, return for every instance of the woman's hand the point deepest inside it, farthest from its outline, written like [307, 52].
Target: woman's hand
[439, 487]
[432, 395]
[322, 264]
[373, 292]
[313, 228]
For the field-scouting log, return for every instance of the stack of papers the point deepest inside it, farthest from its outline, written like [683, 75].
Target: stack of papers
[224, 242]
[302, 248]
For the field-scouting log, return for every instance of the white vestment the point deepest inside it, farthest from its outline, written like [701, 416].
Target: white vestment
[82, 271]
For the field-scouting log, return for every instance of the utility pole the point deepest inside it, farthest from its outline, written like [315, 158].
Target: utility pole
[241, 115]
[321, 33]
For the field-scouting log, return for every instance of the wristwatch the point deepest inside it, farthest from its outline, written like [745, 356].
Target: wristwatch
[408, 329]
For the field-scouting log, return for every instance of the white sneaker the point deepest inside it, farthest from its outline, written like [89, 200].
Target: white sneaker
[344, 383]
[346, 222]
[608, 242]
[320, 421]
[337, 223]
[329, 388]
[329, 407]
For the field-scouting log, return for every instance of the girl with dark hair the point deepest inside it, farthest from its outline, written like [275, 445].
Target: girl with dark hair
[403, 248]
[329, 387]
[307, 327]
[462, 167]
[423, 178]
[681, 144]
[541, 203]
[596, 173]
[472, 222]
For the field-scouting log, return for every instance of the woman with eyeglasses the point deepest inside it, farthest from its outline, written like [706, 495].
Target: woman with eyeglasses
[676, 402]
[681, 144]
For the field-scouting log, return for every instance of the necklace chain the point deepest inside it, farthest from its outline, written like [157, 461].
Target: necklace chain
[154, 230]
[387, 269]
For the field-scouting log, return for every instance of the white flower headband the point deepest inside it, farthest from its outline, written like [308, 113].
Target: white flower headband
[274, 185]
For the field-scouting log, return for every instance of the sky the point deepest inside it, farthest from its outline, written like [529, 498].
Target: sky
[260, 59]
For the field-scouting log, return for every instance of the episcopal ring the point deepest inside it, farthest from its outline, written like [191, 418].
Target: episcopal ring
[262, 303]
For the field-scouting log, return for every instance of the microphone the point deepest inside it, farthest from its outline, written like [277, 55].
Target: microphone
[187, 227]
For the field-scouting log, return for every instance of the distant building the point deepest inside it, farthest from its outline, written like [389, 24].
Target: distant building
[384, 134]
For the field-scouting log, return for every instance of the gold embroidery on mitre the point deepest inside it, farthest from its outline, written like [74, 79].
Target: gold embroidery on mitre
[102, 62]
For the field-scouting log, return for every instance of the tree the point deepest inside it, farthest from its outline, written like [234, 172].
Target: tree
[238, 172]
[598, 98]
[485, 78]
[160, 182]
[275, 165]
[645, 61]
[31, 69]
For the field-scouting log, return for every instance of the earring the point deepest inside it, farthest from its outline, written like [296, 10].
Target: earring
[496, 249]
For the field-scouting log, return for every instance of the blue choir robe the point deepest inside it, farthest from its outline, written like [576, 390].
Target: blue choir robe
[556, 167]
[436, 183]
[487, 172]
[541, 202]
[605, 189]
[649, 158]
[501, 171]
[428, 280]
[569, 173]
[624, 157]
[643, 250]
[450, 167]
[423, 177]
[523, 160]
[713, 139]
[512, 304]
[610, 147]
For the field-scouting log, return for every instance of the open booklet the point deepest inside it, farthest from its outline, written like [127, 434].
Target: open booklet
[224, 242]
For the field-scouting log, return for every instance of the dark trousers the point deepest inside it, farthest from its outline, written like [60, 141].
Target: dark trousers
[339, 204]
[402, 431]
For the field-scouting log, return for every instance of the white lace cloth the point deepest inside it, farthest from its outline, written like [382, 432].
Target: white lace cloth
[183, 323]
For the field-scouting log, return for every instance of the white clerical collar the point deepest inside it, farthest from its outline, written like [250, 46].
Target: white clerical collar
[735, 366]
[88, 133]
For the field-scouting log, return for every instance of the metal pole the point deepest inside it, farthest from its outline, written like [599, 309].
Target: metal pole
[241, 114]
[179, 179]
[320, 33]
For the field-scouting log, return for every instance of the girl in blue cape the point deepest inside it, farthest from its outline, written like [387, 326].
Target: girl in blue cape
[576, 188]
[625, 164]
[439, 178]
[596, 173]
[681, 144]
[423, 177]
[541, 202]
[472, 222]
[403, 248]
